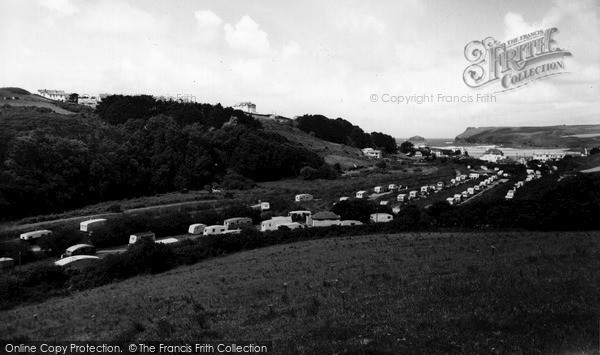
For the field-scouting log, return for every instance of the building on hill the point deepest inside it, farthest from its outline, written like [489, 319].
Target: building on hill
[372, 153]
[492, 155]
[87, 100]
[56, 95]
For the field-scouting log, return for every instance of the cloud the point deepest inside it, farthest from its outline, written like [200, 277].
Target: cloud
[117, 17]
[59, 7]
[249, 71]
[360, 24]
[247, 36]
[208, 25]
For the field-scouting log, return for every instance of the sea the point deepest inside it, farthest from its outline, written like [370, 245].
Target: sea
[476, 150]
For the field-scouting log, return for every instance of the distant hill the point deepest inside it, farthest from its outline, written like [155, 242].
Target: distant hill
[13, 96]
[416, 139]
[544, 136]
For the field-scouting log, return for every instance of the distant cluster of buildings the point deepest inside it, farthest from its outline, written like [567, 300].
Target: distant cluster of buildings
[83, 99]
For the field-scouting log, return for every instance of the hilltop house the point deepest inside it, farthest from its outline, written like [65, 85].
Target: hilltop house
[372, 153]
[492, 155]
[56, 95]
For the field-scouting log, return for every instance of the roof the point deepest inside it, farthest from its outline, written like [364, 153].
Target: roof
[167, 241]
[197, 224]
[78, 246]
[70, 259]
[234, 219]
[35, 232]
[326, 215]
[92, 221]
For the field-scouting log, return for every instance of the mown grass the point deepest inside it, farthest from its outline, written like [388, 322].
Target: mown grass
[402, 293]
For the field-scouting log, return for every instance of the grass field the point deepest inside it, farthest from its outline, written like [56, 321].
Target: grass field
[406, 293]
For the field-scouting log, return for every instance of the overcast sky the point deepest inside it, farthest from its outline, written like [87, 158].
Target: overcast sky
[316, 57]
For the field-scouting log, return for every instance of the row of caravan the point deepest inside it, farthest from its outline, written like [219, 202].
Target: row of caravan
[230, 225]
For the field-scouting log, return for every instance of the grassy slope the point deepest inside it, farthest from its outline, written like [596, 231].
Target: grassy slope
[29, 100]
[547, 136]
[418, 293]
[331, 152]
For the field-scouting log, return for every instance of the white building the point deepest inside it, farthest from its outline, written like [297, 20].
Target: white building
[56, 95]
[381, 217]
[492, 155]
[303, 197]
[372, 153]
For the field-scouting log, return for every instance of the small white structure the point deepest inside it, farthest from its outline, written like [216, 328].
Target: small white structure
[453, 181]
[471, 191]
[473, 176]
[237, 222]
[440, 184]
[383, 203]
[372, 153]
[381, 217]
[88, 226]
[492, 155]
[465, 194]
[344, 198]
[134, 238]
[167, 241]
[379, 189]
[263, 206]
[292, 225]
[304, 197]
[78, 259]
[392, 187]
[413, 194]
[6, 263]
[509, 195]
[351, 223]
[299, 216]
[476, 187]
[232, 231]
[424, 189]
[450, 200]
[215, 229]
[196, 228]
[457, 198]
[274, 222]
[401, 198]
[35, 234]
[323, 219]
[79, 249]
[361, 194]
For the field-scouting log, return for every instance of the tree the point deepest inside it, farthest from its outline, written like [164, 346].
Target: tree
[407, 147]
[385, 142]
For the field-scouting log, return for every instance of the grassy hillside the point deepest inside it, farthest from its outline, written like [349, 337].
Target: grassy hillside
[547, 137]
[24, 98]
[331, 152]
[416, 293]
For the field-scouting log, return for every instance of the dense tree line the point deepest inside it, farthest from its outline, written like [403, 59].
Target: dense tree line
[341, 131]
[50, 162]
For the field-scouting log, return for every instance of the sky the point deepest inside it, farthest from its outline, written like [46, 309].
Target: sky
[346, 59]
